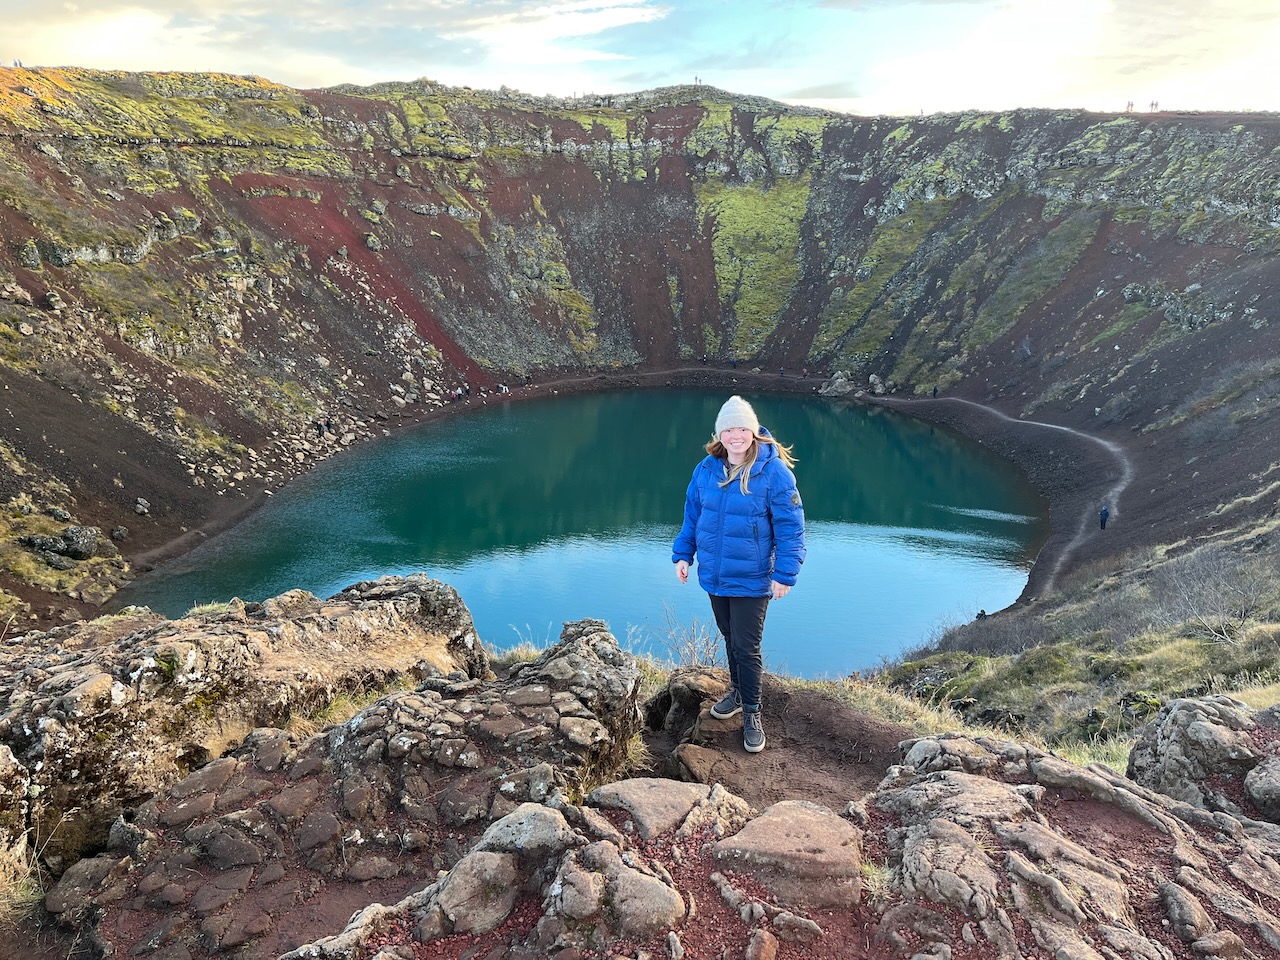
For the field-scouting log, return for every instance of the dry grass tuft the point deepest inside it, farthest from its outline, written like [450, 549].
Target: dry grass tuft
[1112, 753]
[676, 644]
[877, 884]
[20, 885]
[342, 708]
[876, 699]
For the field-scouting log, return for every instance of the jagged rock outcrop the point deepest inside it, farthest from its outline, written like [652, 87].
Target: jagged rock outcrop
[239, 854]
[485, 817]
[1213, 752]
[996, 849]
[102, 714]
[1037, 853]
[591, 881]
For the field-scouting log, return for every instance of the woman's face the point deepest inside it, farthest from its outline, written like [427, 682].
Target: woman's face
[737, 441]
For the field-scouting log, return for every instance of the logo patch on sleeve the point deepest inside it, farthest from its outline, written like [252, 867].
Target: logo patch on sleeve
[795, 499]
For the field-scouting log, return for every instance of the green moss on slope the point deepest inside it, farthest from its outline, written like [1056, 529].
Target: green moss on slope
[848, 319]
[755, 239]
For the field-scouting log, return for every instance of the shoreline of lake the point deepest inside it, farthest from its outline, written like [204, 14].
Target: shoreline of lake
[1075, 472]
[1019, 442]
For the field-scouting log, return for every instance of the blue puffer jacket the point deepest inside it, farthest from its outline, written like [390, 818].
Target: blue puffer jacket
[742, 541]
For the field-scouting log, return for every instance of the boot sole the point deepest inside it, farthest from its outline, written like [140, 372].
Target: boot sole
[725, 716]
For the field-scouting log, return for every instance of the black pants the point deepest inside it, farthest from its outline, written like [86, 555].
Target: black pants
[741, 623]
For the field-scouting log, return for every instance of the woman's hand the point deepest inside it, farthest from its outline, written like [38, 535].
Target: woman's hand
[780, 590]
[682, 570]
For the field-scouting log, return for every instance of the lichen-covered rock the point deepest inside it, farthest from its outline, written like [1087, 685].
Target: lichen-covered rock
[1015, 838]
[637, 903]
[480, 891]
[591, 680]
[82, 543]
[15, 782]
[1262, 787]
[531, 831]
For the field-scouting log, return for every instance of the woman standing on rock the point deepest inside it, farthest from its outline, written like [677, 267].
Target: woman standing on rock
[744, 522]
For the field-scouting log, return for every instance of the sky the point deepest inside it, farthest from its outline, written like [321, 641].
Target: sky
[865, 57]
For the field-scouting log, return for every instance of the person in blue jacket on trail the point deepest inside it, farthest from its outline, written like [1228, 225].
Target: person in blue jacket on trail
[744, 522]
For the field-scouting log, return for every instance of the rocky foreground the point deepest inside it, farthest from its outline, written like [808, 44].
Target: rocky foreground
[159, 767]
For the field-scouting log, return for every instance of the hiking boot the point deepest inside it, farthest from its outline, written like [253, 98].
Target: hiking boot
[727, 706]
[752, 731]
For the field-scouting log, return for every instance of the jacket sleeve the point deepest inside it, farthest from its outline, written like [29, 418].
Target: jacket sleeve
[786, 513]
[686, 540]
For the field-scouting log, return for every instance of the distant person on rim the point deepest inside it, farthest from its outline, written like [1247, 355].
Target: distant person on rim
[1102, 516]
[744, 522]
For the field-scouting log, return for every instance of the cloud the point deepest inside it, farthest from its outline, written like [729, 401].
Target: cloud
[321, 42]
[876, 56]
[835, 90]
[863, 5]
[537, 34]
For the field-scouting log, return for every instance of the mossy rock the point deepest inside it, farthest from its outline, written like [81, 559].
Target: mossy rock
[1042, 666]
[1111, 666]
[933, 678]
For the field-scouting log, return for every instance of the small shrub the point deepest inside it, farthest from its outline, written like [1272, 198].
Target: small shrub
[1213, 592]
[691, 644]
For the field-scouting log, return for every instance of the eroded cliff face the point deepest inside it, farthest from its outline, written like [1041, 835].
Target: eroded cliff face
[194, 268]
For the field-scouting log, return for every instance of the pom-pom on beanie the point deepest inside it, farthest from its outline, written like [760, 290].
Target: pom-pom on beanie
[736, 412]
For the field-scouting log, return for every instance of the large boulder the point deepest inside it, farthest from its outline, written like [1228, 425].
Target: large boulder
[104, 714]
[803, 853]
[82, 543]
[1213, 752]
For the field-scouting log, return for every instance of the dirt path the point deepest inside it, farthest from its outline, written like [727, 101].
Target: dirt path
[1076, 474]
[818, 749]
[1088, 513]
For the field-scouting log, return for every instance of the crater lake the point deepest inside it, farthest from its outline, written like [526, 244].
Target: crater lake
[562, 508]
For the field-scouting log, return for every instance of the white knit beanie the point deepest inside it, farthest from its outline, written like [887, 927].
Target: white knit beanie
[736, 412]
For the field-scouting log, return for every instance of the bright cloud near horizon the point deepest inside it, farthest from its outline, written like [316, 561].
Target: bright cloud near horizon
[863, 57]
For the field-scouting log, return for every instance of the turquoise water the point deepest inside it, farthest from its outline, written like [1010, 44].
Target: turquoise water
[563, 508]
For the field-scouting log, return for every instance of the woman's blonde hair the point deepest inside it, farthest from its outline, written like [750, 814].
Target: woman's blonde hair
[743, 470]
